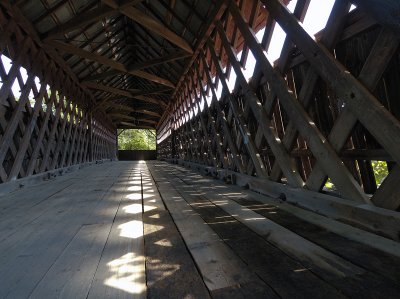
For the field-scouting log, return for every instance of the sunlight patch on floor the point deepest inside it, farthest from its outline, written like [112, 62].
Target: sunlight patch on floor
[134, 196]
[164, 242]
[132, 229]
[127, 274]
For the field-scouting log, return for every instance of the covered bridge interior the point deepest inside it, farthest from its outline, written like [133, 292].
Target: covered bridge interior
[278, 149]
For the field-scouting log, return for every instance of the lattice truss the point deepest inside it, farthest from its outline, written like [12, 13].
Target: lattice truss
[323, 111]
[48, 123]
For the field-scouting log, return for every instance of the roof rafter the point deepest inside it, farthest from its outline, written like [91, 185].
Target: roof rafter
[128, 117]
[134, 126]
[151, 24]
[108, 62]
[85, 18]
[122, 92]
[142, 65]
[118, 106]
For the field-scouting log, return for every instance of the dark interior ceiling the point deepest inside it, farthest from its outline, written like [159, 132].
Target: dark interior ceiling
[129, 53]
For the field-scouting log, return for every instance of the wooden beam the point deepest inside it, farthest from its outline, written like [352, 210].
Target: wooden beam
[287, 164]
[141, 65]
[79, 21]
[221, 115]
[71, 49]
[376, 63]
[217, 13]
[322, 150]
[85, 18]
[117, 66]
[386, 12]
[123, 107]
[135, 126]
[151, 24]
[128, 117]
[365, 106]
[152, 77]
[161, 90]
[122, 92]
[152, 62]
[332, 32]
[102, 75]
[108, 89]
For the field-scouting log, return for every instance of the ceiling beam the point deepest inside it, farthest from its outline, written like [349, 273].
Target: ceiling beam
[152, 91]
[151, 24]
[85, 18]
[152, 62]
[134, 126]
[122, 92]
[79, 21]
[127, 117]
[123, 107]
[68, 48]
[142, 65]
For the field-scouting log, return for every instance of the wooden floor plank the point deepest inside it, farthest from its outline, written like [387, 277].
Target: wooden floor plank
[121, 270]
[25, 213]
[170, 270]
[286, 276]
[218, 264]
[51, 210]
[367, 250]
[156, 230]
[38, 245]
[360, 254]
[72, 273]
[366, 283]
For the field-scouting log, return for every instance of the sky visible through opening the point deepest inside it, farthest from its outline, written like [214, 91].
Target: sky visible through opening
[315, 20]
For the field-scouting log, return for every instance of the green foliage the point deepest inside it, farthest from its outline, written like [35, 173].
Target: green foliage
[329, 185]
[380, 171]
[136, 139]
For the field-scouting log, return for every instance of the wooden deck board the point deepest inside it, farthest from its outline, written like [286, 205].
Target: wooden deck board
[170, 270]
[361, 282]
[30, 252]
[121, 269]
[272, 265]
[156, 230]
